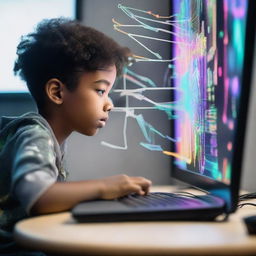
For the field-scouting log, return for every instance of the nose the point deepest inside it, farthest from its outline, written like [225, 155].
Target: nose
[109, 105]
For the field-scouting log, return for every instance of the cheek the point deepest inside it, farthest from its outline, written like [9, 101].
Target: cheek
[80, 102]
[87, 107]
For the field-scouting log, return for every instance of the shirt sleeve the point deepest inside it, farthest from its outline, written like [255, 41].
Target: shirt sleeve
[34, 165]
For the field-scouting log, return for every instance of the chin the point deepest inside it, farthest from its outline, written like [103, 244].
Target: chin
[89, 133]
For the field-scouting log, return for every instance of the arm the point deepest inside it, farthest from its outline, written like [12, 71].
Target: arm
[62, 196]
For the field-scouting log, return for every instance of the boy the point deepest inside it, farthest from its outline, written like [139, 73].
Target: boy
[69, 70]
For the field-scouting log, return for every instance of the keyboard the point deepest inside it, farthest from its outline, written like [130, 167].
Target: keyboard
[154, 206]
[160, 199]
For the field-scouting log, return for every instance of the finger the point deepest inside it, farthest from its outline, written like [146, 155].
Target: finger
[145, 187]
[137, 189]
[146, 190]
[142, 181]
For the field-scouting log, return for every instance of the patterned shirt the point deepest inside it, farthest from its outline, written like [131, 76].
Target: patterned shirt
[31, 160]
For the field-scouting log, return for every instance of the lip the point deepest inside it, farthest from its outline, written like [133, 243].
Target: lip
[102, 122]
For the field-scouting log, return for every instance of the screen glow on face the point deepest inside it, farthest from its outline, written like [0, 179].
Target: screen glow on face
[209, 51]
[20, 18]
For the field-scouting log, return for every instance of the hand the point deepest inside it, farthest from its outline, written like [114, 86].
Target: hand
[121, 185]
[62, 196]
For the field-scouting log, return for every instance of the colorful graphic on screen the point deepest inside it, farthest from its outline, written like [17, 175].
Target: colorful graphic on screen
[209, 51]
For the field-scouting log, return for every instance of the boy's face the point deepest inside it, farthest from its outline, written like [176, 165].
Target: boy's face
[86, 109]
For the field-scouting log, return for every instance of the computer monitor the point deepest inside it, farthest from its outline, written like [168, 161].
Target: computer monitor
[213, 48]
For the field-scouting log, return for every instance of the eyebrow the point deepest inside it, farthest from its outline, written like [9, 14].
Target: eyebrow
[102, 81]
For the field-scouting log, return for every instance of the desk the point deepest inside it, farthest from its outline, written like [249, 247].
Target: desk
[60, 233]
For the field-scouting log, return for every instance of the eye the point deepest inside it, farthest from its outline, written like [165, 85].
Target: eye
[100, 92]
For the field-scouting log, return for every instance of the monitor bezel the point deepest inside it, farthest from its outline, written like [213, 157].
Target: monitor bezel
[229, 193]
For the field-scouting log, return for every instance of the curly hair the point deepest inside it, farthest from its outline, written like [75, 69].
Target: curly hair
[62, 48]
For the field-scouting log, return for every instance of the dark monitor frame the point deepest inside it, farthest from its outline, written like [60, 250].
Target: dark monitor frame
[229, 192]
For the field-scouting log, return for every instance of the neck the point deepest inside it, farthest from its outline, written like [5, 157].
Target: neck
[57, 125]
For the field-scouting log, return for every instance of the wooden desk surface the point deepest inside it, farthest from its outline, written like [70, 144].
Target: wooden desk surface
[60, 233]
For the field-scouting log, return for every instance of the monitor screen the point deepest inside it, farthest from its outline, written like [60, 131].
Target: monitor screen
[19, 18]
[209, 49]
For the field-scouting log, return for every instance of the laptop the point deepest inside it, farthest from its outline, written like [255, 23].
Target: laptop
[212, 51]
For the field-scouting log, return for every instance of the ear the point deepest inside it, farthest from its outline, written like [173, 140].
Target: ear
[54, 91]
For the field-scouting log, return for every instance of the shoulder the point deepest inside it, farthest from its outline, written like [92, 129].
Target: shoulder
[29, 122]
[28, 130]
[32, 131]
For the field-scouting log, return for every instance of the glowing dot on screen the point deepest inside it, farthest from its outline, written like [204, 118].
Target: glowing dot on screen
[224, 164]
[220, 71]
[235, 85]
[231, 125]
[239, 49]
[226, 81]
[225, 41]
[229, 146]
[221, 34]
[224, 118]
